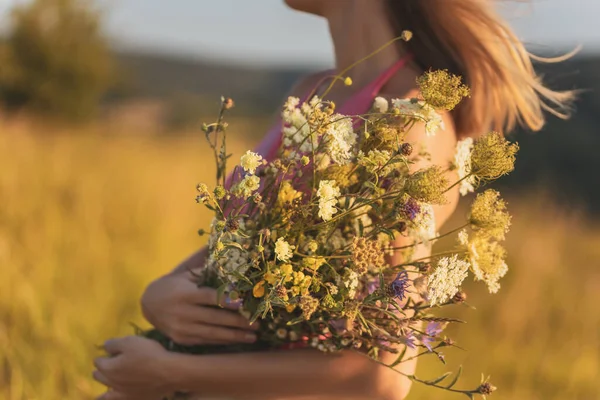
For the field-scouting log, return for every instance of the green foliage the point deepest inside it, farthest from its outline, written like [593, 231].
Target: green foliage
[55, 60]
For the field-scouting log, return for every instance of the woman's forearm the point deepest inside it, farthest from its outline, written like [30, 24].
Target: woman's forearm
[286, 374]
[193, 262]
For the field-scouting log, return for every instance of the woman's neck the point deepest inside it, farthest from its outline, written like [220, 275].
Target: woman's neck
[356, 36]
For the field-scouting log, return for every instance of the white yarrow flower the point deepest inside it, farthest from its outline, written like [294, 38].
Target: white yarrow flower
[328, 193]
[340, 139]
[446, 279]
[462, 161]
[351, 283]
[381, 105]
[291, 103]
[250, 161]
[283, 250]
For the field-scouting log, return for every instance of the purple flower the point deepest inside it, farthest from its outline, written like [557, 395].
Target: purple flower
[432, 331]
[372, 286]
[409, 340]
[410, 210]
[400, 285]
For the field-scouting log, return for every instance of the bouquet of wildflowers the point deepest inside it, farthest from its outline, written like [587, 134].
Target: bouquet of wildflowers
[304, 241]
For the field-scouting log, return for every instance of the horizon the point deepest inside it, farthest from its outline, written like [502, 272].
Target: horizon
[302, 41]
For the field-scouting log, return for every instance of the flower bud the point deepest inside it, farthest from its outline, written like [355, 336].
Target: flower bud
[228, 103]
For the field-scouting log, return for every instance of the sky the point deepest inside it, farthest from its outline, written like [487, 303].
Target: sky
[263, 32]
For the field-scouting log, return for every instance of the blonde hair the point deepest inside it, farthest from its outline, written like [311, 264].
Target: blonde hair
[469, 38]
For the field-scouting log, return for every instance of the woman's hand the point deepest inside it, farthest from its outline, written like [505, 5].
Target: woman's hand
[137, 369]
[191, 316]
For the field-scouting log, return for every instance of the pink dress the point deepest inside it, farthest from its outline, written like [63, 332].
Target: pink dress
[359, 103]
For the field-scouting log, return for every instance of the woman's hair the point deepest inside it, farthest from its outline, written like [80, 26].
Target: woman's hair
[469, 38]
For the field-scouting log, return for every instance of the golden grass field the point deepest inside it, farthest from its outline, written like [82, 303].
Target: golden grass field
[87, 220]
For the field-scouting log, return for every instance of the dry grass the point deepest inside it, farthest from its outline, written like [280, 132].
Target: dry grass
[88, 220]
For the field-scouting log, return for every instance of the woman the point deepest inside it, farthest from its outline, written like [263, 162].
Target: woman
[465, 37]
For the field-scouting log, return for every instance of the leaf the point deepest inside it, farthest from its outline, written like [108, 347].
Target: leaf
[361, 227]
[438, 379]
[370, 185]
[234, 244]
[456, 378]
[261, 307]
[388, 232]
[295, 321]
[400, 357]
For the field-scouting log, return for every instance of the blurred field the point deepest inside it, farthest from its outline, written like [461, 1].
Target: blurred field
[88, 220]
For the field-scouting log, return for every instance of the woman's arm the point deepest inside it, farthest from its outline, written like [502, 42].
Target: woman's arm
[288, 374]
[194, 262]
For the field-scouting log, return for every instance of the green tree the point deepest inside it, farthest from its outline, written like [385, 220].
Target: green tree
[55, 59]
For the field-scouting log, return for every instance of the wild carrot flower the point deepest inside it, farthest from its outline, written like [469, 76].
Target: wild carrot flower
[462, 162]
[428, 185]
[489, 216]
[487, 260]
[446, 279]
[442, 90]
[493, 156]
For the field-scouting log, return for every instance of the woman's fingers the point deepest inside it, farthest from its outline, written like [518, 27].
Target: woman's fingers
[100, 377]
[216, 333]
[113, 346]
[210, 297]
[112, 395]
[220, 317]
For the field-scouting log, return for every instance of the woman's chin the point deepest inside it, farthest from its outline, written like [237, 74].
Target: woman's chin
[308, 6]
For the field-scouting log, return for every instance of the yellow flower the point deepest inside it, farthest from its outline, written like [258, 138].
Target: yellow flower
[220, 192]
[348, 81]
[259, 290]
[287, 194]
[298, 277]
[271, 278]
[287, 270]
[313, 263]
[290, 307]
[295, 290]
